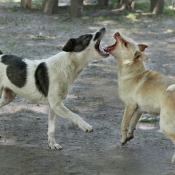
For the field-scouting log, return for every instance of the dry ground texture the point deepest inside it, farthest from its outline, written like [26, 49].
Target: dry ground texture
[23, 126]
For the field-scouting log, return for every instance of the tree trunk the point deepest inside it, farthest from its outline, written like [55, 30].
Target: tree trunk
[50, 6]
[26, 3]
[157, 6]
[103, 2]
[126, 4]
[173, 3]
[76, 8]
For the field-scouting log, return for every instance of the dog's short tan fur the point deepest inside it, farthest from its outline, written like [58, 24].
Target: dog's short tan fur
[142, 90]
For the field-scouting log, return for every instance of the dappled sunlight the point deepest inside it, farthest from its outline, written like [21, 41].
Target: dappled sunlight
[171, 7]
[7, 141]
[132, 17]
[169, 65]
[16, 107]
[10, 0]
[106, 22]
[146, 126]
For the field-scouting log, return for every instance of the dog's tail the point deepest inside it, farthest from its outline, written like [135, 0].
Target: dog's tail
[171, 88]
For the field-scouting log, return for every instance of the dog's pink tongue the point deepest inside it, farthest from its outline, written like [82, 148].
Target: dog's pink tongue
[110, 48]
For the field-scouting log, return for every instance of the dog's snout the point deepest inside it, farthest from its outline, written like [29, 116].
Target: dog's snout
[117, 34]
[102, 29]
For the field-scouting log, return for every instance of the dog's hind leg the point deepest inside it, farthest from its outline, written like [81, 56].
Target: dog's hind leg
[167, 125]
[132, 125]
[7, 96]
[51, 130]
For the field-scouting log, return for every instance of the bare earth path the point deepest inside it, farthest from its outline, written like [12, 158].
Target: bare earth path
[94, 96]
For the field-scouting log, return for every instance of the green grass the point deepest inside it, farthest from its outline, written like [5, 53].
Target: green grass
[143, 6]
[169, 11]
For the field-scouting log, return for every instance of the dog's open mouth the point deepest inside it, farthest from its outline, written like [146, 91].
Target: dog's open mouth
[100, 51]
[110, 48]
[99, 35]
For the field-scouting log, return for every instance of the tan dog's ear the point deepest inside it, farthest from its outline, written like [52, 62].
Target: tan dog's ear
[142, 47]
[139, 56]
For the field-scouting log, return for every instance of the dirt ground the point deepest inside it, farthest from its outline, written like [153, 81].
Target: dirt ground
[23, 126]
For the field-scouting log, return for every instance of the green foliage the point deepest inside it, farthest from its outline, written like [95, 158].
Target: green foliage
[142, 5]
[169, 11]
[37, 3]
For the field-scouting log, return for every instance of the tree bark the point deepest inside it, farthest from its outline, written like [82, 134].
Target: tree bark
[50, 6]
[173, 3]
[126, 4]
[157, 6]
[76, 8]
[26, 3]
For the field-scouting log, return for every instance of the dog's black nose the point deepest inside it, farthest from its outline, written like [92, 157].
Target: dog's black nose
[103, 29]
[117, 34]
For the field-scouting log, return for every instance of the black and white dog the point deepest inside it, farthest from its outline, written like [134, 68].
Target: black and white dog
[47, 81]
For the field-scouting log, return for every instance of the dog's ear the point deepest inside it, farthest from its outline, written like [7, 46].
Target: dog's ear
[142, 47]
[139, 56]
[69, 47]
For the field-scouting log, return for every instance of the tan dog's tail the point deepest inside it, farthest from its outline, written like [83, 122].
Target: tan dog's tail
[171, 88]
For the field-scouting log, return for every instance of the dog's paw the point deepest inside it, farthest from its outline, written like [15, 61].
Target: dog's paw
[85, 126]
[53, 145]
[129, 137]
[123, 143]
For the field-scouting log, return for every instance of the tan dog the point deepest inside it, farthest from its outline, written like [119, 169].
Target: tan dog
[142, 90]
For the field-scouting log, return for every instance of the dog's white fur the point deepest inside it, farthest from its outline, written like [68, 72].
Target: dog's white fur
[171, 87]
[142, 90]
[63, 69]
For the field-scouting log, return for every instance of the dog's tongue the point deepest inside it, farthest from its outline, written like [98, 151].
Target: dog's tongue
[110, 48]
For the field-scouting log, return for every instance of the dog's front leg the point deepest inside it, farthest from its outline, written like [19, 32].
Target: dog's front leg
[129, 110]
[132, 125]
[64, 112]
[51, 130]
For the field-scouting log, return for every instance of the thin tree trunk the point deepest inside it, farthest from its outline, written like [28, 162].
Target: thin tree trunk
[173, 3]
[26, 3]
[76, 8]
[50, 6]
[157, 6]
[126, 4]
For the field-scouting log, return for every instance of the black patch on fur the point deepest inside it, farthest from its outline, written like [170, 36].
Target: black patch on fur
[42, 79]
[16, 70]
[78, 44]
[97, 36]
